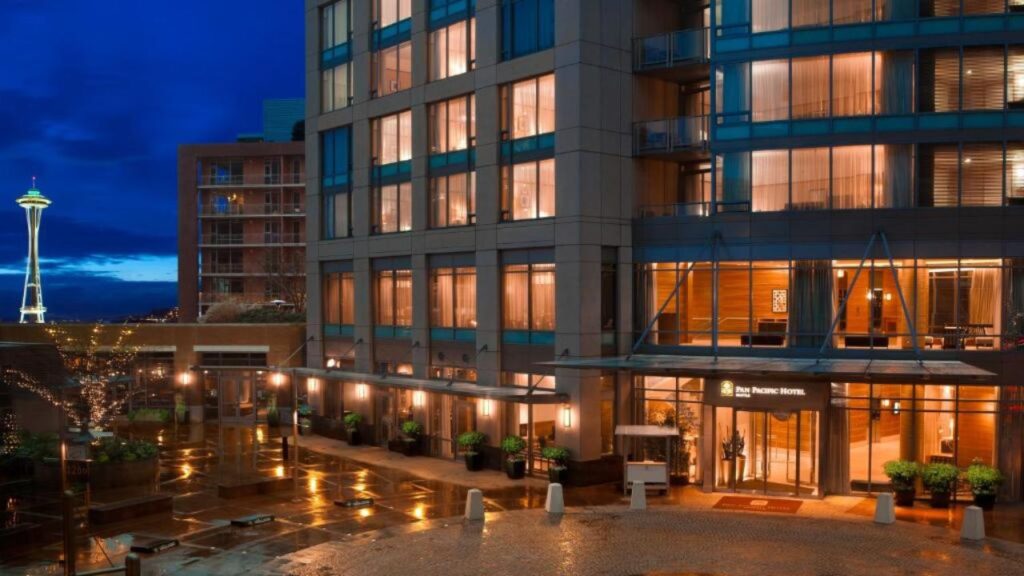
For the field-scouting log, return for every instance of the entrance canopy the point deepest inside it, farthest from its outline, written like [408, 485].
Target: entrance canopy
[836, 369]
[455, 388]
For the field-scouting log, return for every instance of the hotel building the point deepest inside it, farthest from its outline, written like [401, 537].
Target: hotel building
[789, 228]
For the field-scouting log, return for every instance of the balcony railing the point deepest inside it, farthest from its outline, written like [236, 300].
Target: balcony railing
[253, 238]
[671, 135]
[252, 209]
[674, 210]
[672, 49]
[223, 268]
[289, 179]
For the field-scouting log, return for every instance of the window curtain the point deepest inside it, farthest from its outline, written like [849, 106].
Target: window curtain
[405, 135]
[546, 104]
[465, 298]
[767, 15]
[810, 179]
[442, 311]
[983, 78]
[389, 208]
[546, 189]
[385, 299]
[524, 191]
[770, 90]
[439, 202]
[809, 12]
[896, 82]
[405, 206]
[770, 180]
[457, 208]
[348, 309]
[811, 312]
[985, 298]
[456, 59]
[438, 54]
[1015, 77]
[542, 287]
[517, 298]
[458, 134]
[852, 93]
[332, 299]
[1015, 173]
[810, 92]
[524, 109]
[388, 139]
[894, 169]
[982, 175]
[852, 11]
[851, 177]
[403, 298]
[439, 127]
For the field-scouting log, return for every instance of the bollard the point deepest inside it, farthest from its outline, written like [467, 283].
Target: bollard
[68, 512]
[974, 524]
[555, 504]
[638, 499]
[284, 447]
[132, 565]
[885, 513]
[475, 505]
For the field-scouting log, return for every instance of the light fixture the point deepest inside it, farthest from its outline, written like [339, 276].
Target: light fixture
[485, 407]
[888, 296]
[841, 274]
[185, 378]
[361, 391]
[885, 402]
[277, 378]
[332, 362]
[895, 407]
[418, 398]
[566, 416]
[311, 384]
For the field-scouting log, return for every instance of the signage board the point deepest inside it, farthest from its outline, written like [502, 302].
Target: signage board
[767, 395]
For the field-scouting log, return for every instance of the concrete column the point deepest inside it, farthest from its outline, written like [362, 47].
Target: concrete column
[420, 316]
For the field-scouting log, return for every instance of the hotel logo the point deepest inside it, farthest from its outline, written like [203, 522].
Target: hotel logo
[726, 389]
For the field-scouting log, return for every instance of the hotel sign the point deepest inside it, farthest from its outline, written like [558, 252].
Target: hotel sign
[767, 395]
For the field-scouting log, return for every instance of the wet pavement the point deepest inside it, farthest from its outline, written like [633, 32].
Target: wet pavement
[419, 508]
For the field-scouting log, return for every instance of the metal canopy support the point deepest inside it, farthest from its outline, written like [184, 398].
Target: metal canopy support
[842, 304]
[647, 330]
[903, 301]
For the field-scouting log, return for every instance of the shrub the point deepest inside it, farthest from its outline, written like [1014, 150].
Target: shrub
[940, 478]
[984, 480]
[556, 454]
[37, 446]
[412, 429]
[222, 312]
[269, 315]
[149, 415]
[305, 411]
[471, 441]
[179, 404]
[353, 420]
[902, 473]
[513, 446]
[120, 450]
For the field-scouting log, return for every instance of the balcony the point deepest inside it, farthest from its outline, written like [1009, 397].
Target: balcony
[236, 209]
[680, 56]
[219, 268]
[683, 138]
[673, 210]
[253, 239]
[236, 180]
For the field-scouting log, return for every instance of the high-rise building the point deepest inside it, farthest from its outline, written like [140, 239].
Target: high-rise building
[788, 230]
[241, 225]
[32, 309]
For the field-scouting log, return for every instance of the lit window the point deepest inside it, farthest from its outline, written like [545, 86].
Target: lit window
[334, 25]
[339, 298]
[336, 88]
[392, 69]
[528, 190]
[528, 107]
[453, 297]
[453, 200]
[453, 49]
[388, 12]
[529, 300]
[392, 138]
[393, 208]
[394, 298]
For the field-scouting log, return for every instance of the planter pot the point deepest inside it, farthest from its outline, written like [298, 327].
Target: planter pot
[985, 501]
[273, 421]
[181, 417]
[101, 476]
[515, 469]
[558, 475]
[354, 437]
[474, 461]
[939, 500]
[904, 498]
[305, 426]
[404, 446]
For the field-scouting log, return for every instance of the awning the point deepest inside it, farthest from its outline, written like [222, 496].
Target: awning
[455, 388]
[836, 369]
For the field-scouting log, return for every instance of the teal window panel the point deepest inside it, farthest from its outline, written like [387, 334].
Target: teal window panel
[770, 129]
[770, 40]
[938, 121]
[403, 332]
[1015, 118]
[384, 331]
[893, 123]
[733, 132]
[983, 119]
[850, 125]
[442, 334]
[337, 180]
[983, 23]
[438, 161]
[1015, 21]
[810, 127]
[811, 36]
[855, 32]
[465, 335]
[894, 29]
[337, 55]
[332, 330]
[515, 336]
[939, 26]
[542, 337]
[732, 44]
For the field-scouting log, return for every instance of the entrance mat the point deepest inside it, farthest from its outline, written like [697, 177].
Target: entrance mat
[754, 504]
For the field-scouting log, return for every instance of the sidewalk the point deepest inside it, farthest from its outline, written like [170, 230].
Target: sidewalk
[422, 466]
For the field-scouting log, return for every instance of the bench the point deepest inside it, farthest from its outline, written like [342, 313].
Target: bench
[130, 508]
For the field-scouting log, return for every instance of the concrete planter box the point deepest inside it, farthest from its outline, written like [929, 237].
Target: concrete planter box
[105, 476]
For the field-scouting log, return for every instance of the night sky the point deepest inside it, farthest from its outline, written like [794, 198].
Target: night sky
[95, 97]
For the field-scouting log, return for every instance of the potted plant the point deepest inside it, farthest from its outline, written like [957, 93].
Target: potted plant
[559, 468]
[470, 443]
[902, 474]
[515, 461]
[305, 423]
[352, 421]
[411, 432]
[180, 410]
[273, 416]
[940, 480]
[732, 451]
[985, 482]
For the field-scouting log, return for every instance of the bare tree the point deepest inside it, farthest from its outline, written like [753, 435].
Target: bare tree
[285, 275]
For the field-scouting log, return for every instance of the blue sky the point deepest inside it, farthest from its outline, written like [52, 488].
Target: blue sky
[95, 97]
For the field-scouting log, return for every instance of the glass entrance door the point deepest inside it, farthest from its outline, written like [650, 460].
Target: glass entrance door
[768, 452]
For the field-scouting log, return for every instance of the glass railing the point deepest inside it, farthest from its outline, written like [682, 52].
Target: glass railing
[229, 209]
[674, 210]
[297, 178]
[671, 134]
[253, 238]
[671, 49]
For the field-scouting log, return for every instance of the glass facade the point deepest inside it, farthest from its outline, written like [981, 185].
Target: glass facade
[452, 49]
[527, 26]
[335, 168]
[453, 297]
[394, 298]
[529, 300]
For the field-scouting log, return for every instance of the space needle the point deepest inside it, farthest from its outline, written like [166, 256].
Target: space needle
[32, 309]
